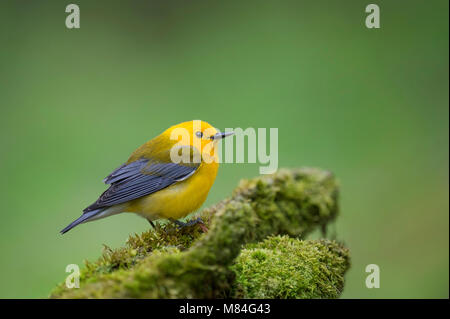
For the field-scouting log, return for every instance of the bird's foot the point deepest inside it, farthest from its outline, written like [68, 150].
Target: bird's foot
[181, 225]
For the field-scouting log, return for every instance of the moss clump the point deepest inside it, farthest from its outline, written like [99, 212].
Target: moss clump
[283, 267]
[188, 263]
[165, 238]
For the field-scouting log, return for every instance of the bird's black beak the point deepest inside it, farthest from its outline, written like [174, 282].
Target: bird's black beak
[221, 135]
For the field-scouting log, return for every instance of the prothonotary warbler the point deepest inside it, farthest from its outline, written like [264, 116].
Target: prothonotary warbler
[168, 177]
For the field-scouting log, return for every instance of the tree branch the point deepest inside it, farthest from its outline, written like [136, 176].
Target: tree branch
[187, 263]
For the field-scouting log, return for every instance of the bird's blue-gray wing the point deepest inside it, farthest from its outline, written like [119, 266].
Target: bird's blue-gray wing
[138, 179]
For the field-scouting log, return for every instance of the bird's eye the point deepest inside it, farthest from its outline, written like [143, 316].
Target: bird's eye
[199, 134]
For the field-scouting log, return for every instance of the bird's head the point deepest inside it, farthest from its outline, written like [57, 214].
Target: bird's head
[199, 134]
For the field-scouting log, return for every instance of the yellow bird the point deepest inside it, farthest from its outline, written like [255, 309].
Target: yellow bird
[167, 177]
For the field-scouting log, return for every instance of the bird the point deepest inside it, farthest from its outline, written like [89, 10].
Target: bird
[167, 177]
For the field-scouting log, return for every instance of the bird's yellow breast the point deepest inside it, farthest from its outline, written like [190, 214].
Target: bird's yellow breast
[179, 199]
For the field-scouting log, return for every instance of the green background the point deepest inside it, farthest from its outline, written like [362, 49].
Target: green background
[371, 105]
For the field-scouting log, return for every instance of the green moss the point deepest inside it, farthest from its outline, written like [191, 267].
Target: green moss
[188, 263]
[136, 249]
[283, 267]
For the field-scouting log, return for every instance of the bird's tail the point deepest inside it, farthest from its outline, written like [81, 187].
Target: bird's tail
[82, 219]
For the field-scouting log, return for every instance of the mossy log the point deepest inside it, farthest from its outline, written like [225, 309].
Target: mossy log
[248, 247]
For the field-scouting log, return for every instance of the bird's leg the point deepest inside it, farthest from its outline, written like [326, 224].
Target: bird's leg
[151, 223]
[180, 224]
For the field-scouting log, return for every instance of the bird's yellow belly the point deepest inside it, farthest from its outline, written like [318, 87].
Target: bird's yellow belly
[177, 200]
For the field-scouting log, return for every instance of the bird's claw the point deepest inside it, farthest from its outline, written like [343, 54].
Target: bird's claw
[192, 222]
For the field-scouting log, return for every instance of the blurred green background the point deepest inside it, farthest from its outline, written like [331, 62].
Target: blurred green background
[371, 105]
